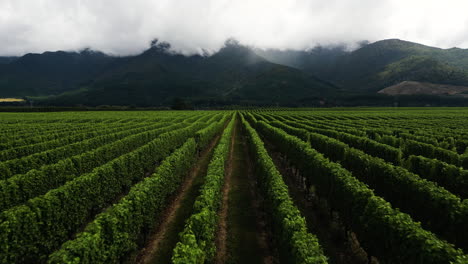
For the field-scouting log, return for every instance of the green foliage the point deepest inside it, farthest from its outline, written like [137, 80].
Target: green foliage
[411, 147]
[35, 161]
[114, 234]
[197, 240]
[386, 152]
[64, 201]
[298, 245]
[451, 177]
[206, 135]
[440, 211]
[43, 223]
[22, 187]
[383, 231]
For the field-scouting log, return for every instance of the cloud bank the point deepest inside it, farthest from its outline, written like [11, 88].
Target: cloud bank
[123, 27]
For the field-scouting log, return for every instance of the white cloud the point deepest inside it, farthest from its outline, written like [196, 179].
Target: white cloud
[126, 27]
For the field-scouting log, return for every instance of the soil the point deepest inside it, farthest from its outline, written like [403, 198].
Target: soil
[244, 234]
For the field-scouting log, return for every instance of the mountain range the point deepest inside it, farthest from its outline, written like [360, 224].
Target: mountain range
[378, 65]
[237, 74]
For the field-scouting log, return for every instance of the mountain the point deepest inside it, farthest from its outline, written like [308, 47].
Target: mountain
[49, 72]
[235, 74]
[383, 63]
[319, 61]
[6, 60]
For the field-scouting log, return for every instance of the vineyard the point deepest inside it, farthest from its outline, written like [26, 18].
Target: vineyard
[261, 186]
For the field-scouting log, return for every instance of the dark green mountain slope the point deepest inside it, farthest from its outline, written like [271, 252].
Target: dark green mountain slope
[6, 60]
[384, 63]
[319, 61]
[421, 68]
[235, 74]
[49, 72]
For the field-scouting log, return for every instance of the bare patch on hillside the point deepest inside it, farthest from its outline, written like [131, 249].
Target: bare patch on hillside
[412, 88]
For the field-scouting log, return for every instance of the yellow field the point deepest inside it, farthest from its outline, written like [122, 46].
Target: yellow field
[11, 100]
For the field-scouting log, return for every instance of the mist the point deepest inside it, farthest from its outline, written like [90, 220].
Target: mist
[122, 27]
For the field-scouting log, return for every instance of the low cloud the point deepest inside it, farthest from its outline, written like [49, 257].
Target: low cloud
[123, 27]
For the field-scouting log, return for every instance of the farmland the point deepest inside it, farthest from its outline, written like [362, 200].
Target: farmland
[373, 185]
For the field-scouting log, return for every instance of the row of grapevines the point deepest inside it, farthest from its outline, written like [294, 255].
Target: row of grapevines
[411, 144]
[205, 135]
[35, 161]
[22, 187]
[433, 170]
[42, 224]
[443, 150]
[370, 146]
[75, 136]
[114, 234]
[411, 147]
[57, 132]
[451, 177]
[210, 118]
[425, 135]
[440, 211]
[383, 231]
[290, 229]
[327, 125]
[426, 168]
[53, 132]
[196, 243]
[22, 130]
[413, 129]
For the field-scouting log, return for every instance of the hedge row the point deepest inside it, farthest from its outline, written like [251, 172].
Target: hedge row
[290, 229]
[440, 211]
[206, 135]
[22, 187]
[115, 233]
[37, 160]
[451, 177]
[386, 152]
[411, 147]
[59, 131]
[383, 231]
[30, 232]
[197, 240]
[70, 138]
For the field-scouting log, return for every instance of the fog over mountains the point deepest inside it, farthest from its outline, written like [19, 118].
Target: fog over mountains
[122, 27]
[236, 74]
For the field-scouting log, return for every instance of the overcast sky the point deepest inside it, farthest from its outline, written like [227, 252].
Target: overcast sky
[124, 27]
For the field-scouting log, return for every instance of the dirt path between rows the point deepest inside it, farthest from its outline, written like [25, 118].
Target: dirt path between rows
[221, 235]
[243, 233]
[159, 247]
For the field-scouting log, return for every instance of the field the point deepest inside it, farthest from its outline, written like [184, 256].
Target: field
[11, 100]
[372, 185]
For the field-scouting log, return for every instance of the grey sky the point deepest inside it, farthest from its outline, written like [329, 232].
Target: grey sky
[125, 27]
